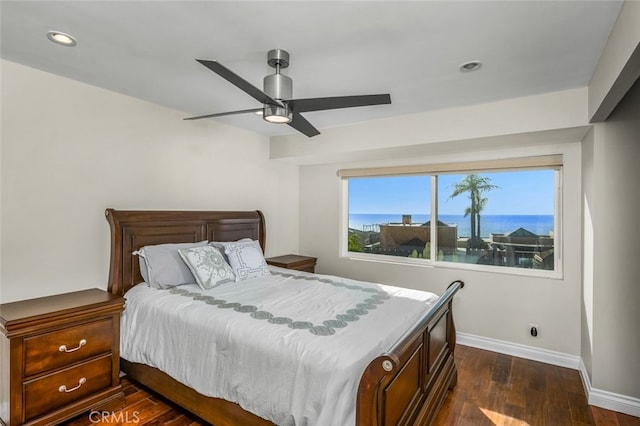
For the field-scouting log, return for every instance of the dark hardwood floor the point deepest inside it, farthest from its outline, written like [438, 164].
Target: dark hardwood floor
[492, 389]
[496, 389]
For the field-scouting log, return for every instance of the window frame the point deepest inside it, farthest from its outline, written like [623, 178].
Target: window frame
[547, 162]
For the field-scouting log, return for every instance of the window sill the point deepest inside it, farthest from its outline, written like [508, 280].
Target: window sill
[425, 263]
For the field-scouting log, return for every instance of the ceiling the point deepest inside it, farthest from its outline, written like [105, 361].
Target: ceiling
[412, 50]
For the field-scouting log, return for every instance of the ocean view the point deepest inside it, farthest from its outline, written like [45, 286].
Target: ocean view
[498, 224]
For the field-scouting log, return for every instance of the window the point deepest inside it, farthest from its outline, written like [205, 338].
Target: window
[499, 216]
[378, 225]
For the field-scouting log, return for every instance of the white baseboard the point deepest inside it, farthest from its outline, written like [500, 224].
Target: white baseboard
[609, 400]
[599, 398]
[515, 349]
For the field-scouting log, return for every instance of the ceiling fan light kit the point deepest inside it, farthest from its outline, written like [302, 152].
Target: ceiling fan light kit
[276, 96]
[277, 114]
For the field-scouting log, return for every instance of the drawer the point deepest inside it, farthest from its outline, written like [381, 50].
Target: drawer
[46, 393]
[43, 352]
[306, 268]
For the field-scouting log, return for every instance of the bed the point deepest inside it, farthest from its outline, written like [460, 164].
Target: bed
[402, 385]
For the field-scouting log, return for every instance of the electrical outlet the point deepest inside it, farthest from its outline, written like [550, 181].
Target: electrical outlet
[534, 330]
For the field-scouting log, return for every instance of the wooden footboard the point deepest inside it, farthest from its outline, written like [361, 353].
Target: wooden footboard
[407, 385]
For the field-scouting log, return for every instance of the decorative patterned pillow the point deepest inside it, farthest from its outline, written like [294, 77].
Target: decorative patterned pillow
[246, 260]
[220, 245]
[162, 267]
[207, 265]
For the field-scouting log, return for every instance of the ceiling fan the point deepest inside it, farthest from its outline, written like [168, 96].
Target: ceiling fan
[277, 105]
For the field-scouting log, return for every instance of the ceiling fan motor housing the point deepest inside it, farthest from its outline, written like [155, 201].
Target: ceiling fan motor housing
[276, 85]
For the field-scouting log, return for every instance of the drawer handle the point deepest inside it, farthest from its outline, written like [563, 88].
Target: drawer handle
[63, 348]
[81, 382]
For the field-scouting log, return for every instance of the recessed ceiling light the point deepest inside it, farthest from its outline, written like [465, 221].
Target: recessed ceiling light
[470, 66]
[61, 38]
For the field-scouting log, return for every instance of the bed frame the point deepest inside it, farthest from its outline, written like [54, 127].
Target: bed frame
[405, 386]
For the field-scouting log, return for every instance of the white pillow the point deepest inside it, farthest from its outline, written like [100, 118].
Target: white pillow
[246, 260]
[207, 265]
[162, 267]
[220, 245]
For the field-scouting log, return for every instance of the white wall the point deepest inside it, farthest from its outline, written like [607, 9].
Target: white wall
[612, 200]
[70, 150]
[589, 206]
[610, 342]
[493, 305]
[474, 123]
[619, 64]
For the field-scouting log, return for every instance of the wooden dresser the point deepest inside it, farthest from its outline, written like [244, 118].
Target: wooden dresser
[294, 261]
[60, 357]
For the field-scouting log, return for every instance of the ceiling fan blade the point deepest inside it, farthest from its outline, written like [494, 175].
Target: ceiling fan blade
[239, 82]
[303, 126]
[220, 114]
[335, 102]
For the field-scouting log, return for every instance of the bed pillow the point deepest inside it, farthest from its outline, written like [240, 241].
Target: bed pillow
[143, 267]
[220, 245]
[207, 265]
[246, 259]
[162, 267]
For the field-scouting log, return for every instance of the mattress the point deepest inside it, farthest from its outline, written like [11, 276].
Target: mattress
[289, 347]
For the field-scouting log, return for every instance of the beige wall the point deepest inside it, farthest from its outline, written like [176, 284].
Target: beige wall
[405, 136]
[70, 150]
[619, 64]
[610, 342]
[493, 305]
[589, 206]
[611, 347]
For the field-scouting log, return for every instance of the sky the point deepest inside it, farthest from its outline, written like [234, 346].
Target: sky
[522, 192]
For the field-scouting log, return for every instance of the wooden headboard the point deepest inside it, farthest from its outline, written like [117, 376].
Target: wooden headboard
[131, 229]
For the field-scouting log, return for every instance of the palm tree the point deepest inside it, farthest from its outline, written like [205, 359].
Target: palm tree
[480, 203]
[475, 185]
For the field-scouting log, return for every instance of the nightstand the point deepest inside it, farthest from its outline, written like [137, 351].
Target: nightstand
[60, 357]
[294, 261]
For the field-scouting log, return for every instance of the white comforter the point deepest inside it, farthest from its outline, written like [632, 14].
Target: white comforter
[289, 347]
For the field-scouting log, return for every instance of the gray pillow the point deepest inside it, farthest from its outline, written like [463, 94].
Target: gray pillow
[207, 265]
[246, 260]
[162, 267]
